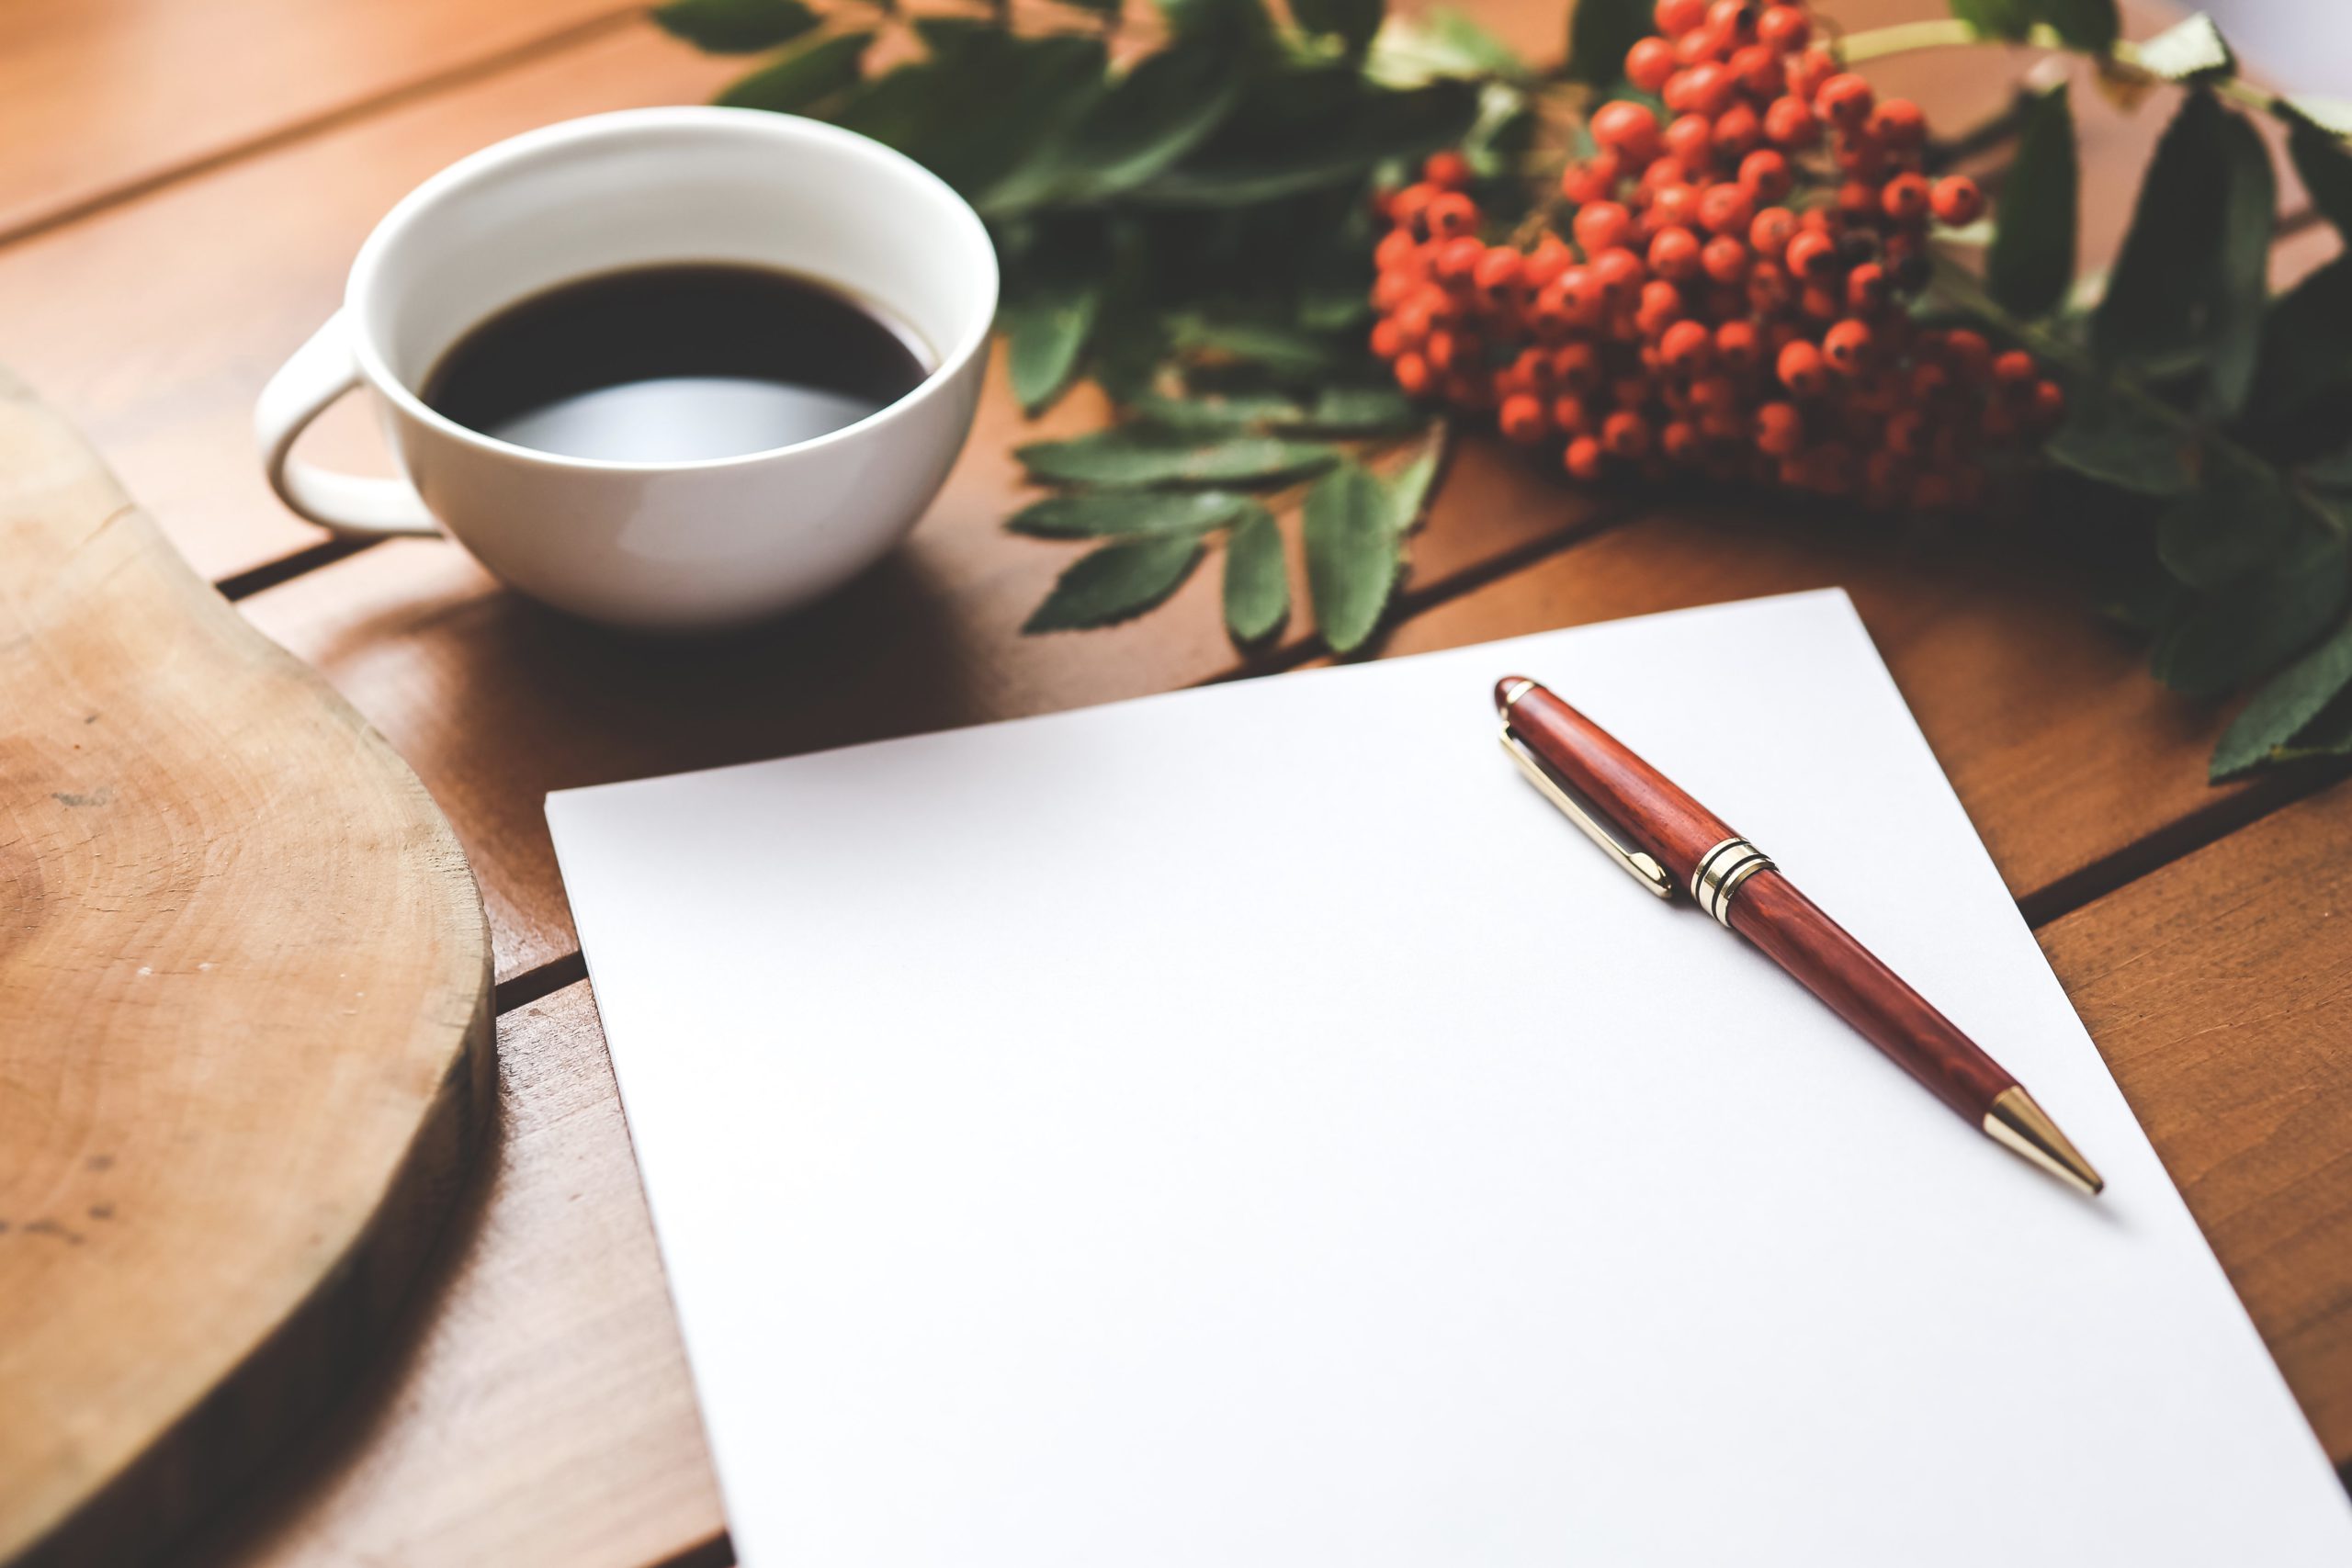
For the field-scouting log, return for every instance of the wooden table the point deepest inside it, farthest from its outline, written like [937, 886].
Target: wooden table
[183, 187]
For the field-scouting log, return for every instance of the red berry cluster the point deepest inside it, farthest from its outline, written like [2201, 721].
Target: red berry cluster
[1729, 296]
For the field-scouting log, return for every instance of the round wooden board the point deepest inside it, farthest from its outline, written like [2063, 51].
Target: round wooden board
[245, 1036]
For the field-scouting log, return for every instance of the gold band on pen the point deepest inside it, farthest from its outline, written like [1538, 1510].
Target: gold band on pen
[1720, 872]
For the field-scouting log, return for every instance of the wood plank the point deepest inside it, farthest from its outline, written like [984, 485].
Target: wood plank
[246, 986]
[99, 98]
[2216, 988]
[154, 325]
[539, 1410]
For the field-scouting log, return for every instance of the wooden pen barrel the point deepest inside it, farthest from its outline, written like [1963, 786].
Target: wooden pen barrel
[1755, 900]
[1676, 830]
[1792, 930]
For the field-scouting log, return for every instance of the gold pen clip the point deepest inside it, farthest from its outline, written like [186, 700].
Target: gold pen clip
[1638, 864]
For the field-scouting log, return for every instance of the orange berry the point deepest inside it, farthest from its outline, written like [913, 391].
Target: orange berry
[1550, 258]
[1789, 123]
[1594, 179]
[1707, 89]
[1726, 209]
[1899, 124]
[1685, 346]
[1737, 346]
[1866, 290]
[1677, 16]
[1691, 139]
[1769, 288]
[1802, 371]
[1447, 349]
[1904, 198]
[1393, 289]
[1847, 346]
[1674, 253]
[1673, 206]
[1780, 429]
[1725, 259]
[1970, 357]
[1396, 248]
[2015, 369]
[1649, 62]
[2045, 406]
[1861, 156]
[1412, 374]
[1599, 225]
[1957, 200]
[1769, 233]
[1766, 174]
[1663, 172]
[1570, 415]
[1758, 71]
[1583, 458]
[1625, 435]
[1738, 130]
[1457, 260]
[1448, 169]
[1845, 100]
[1813, 68]
[1451, 216]
[1812, 255]
[1619, 275]
[1677, 441]
[1386, 341]
[1577, 366]
[1858, 201]
[1821, 302]
[1630, 128]
[1409, 208]
[1499, 275]
[1784, 29]
[1522, 419]
[1733, 18]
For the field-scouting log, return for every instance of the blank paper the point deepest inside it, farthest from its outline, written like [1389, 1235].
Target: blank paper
[1250, 1128]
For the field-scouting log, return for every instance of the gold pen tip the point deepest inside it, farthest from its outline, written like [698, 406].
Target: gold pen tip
[2022, 1125]
[1507, 691]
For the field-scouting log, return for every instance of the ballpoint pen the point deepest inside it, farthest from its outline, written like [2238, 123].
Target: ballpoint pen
[1666, 840]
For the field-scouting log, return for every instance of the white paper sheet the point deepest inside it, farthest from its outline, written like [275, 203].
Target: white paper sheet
[1249, 1128]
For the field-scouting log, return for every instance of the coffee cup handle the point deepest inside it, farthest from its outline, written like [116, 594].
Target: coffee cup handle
[320, 371]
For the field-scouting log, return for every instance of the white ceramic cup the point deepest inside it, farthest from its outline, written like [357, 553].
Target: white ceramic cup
[658, 546]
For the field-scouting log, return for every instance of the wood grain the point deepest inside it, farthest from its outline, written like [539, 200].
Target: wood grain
[541, 1411]
[159, 364]
[99, 98]
[2217, 989]
[246, 984]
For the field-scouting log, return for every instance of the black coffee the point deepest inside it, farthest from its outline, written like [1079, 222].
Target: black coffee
[675, 364]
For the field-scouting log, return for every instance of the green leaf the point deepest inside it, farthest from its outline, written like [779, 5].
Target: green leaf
[1599, 32]
[1116, 583]
[2116, 443]
[1162, 108]
[1310, 130]
[1353, 22]
[2255, 622]
[1285, 351]
[1135, 456]
[2188, 51]
[2171, 252]
[1996, 19]
[2286, 703]
[804, 77]
[1045, 334]
[2214, 535]
[1229, 24]
[2031, 264]
[1352, 554]
[2089, 24]
[982, 103]
[1126, 514]
[2326, 167]
[2241, 274]
[1257, 580]
[735, 27]
[1237, 411]
[1353, 411]
[2306, 342]
[2333, 472]
[1409, 488]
